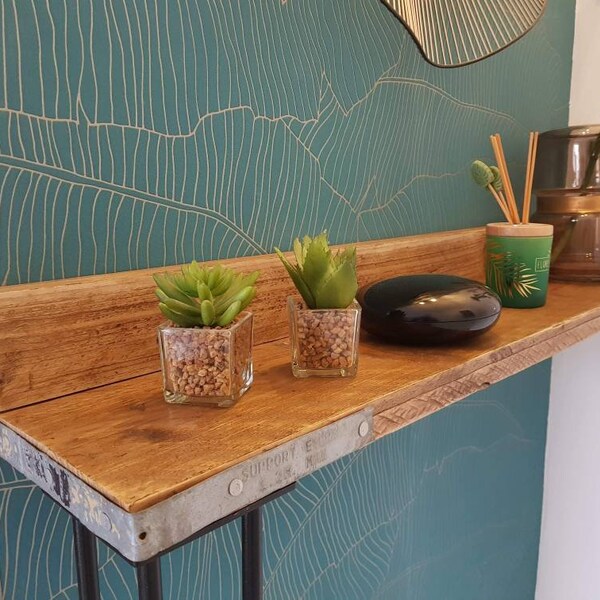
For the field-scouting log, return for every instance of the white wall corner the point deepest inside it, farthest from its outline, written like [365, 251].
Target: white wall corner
[569, 559]
[585, 78]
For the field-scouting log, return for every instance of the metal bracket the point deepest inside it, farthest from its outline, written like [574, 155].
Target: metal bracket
[143, 535]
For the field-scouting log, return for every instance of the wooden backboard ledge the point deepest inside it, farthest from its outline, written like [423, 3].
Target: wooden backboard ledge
[62, 337]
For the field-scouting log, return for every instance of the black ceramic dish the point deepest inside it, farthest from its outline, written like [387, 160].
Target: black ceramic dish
[428, 309]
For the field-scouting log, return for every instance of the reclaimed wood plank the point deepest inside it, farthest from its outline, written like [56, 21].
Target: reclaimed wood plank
[127, 443]
[61, 337]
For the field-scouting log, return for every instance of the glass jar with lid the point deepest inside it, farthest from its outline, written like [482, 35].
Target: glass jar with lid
[567, 187]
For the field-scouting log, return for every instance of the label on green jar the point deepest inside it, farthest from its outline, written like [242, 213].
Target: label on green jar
[542, 264]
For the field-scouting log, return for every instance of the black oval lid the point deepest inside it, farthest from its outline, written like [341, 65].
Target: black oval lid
[430, 298]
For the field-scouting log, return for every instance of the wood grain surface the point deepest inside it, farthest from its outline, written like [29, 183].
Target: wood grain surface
[65, 336]
[126, 442]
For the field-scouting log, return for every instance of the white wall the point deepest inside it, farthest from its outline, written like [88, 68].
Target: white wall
[569, 563]
[585, 80]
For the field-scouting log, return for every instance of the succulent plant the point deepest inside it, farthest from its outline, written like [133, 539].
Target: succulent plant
[490, 179]
[483, 175]
[497, 181]
[204, 297]
[324, 279]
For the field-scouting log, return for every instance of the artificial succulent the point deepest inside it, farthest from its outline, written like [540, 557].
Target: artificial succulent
[204, 296]
[324, 279]
[484, 175]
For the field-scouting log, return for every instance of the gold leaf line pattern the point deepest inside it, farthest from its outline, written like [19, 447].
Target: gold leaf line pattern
[508, 275]
[458, 32]
[140, 133]
[127, 123]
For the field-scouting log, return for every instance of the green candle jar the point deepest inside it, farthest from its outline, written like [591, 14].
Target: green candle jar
[517, 262]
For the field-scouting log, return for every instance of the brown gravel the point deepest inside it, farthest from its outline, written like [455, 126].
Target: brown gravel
[198, 362]
[326, 339]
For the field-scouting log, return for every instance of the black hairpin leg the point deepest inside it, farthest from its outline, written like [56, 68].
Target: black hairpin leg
[149, 580]
[148, 572]
[251, 555]
[86, 560]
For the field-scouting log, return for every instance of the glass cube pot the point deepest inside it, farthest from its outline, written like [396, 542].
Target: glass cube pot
[207, 365]
[324, 342]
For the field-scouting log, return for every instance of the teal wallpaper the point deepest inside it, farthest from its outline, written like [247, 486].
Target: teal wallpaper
[140, 133]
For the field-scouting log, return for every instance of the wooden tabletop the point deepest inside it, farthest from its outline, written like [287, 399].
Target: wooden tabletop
[132, 447]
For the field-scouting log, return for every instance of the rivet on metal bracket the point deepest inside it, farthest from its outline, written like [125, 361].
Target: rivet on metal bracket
[363, 429]
[105, 521]
[236, 486]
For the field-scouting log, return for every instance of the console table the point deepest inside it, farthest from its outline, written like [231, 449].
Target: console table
[83, 415]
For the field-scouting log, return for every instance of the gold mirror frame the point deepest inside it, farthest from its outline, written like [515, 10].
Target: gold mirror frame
[453, 33]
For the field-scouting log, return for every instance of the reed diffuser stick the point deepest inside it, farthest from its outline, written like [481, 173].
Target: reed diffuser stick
[533, 141]
[503, 198]
[496, 142]
[501, 202]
